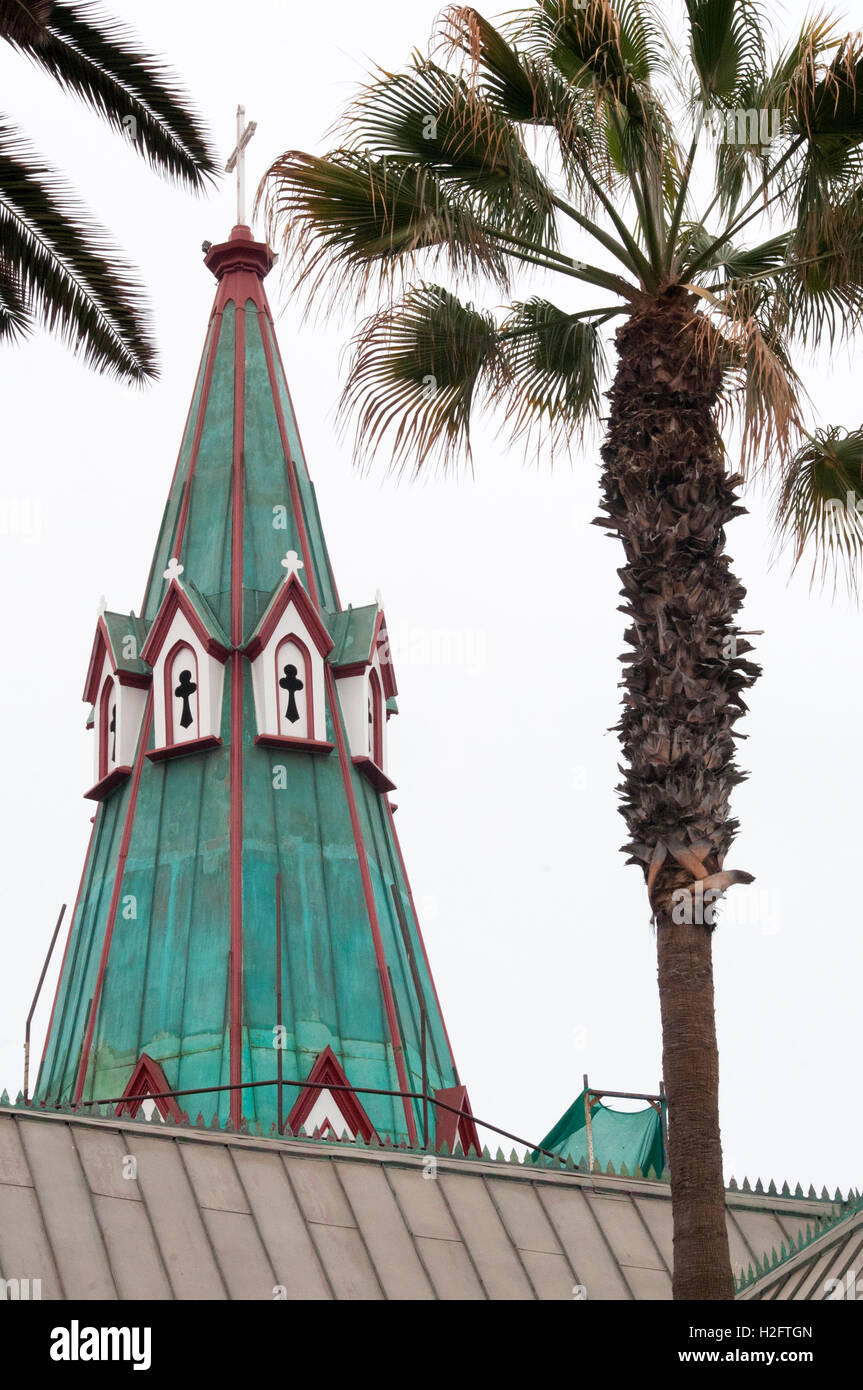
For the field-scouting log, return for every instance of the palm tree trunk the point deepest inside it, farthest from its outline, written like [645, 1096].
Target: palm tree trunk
[690, 1063]
[668, 497]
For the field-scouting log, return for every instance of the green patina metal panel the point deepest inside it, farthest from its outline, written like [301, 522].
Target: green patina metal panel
[320, 558]
[167, 533]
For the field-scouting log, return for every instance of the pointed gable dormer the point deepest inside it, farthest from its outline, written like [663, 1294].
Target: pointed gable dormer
[145, 1091]
[287, 651]
[366, 683]
[187, 650]
[326, 1108]
[116, 691]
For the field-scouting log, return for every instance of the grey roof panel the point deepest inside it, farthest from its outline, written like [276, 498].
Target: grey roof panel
[214, 1178]
[67, 1211]
[386, 1237]
[422, 1203]
[280, 1222]
[318, 1191]
[524, 1216]
[126, 1227]
[497, 1262]
[241, 1256]
[630, 1241]
[177, 1222]
[214, 1215]
[449, 1268]
[346, 1261]
[581, 1236]
[25, 1251]
[550, 1275]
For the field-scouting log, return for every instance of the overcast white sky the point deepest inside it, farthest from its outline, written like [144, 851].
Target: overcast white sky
[538, 935]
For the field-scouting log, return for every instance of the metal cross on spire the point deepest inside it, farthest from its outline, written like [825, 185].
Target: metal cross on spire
[237, 161]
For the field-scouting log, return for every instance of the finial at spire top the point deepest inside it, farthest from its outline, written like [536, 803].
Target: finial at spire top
[237, 160]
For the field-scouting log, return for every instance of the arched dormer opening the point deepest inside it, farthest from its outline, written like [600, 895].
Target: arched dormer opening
[376, 719]
[295, 675]
[182, 695]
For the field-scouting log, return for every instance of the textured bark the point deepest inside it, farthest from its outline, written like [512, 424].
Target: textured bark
[668, 497]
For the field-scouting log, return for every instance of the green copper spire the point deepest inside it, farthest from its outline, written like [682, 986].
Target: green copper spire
[241, 779]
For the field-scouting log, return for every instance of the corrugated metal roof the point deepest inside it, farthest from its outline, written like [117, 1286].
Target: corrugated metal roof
[829, 1266]
[214, 1215]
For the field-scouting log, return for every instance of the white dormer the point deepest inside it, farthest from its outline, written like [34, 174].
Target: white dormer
[187, 651]
[287, 652]
[117, 684]
[365, 680]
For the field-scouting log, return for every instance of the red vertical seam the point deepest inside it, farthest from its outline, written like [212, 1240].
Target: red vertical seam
[236, 758]
[69, 938]
[389, 811]
[115, 897]
[296, 502]
[380, 955]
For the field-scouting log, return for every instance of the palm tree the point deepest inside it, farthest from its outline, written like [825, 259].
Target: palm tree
[57, 266]
[706, 196]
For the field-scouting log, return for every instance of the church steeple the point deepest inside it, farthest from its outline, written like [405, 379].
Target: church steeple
[250, 710]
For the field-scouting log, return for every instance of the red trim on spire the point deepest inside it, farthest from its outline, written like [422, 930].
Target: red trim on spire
[326, 1072]
[389, 810]
[362, 859]
[115, 900]
[292, 591]
[148, 1079]
[100, 649]
[240, 265]
[236, 753]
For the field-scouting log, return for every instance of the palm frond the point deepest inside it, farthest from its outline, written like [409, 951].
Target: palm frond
[764, 391]
[429, 116]
[556, 368]
[61, 269]
[99, 60]
[606, 44]
[820, 504]
[350, 216]
[417, 369]
[726, 45]
[529, 92]
[15, 321]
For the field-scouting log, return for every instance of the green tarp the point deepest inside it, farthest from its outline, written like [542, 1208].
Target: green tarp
[630, 1137]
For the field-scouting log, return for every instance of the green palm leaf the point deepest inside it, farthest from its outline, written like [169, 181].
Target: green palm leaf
[820, 503]
[431, 116]
[98, 60]
[60, 268]
[726, 46]
[352, 215]
[556, 368]
[418, 366]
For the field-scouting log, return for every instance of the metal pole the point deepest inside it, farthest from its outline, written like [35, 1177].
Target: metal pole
[663, 1119]
[280, 1049]
[589, 1126]
[33, 1006]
